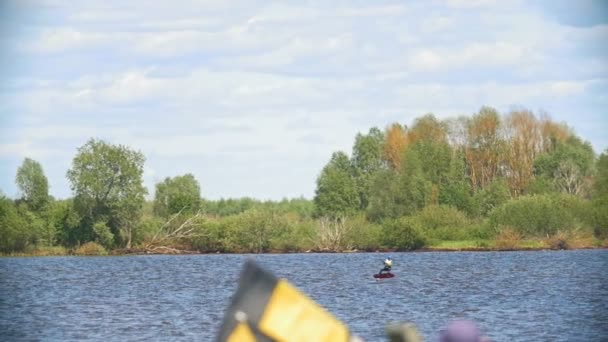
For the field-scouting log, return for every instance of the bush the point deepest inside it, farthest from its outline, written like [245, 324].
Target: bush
[209, 237]
[48, 251]
[103, 235]
[403, 234]
[480, 231]
[600, 218]
[442, 222]
[508, 239]
[441, 216]
[492, 196]
[365, 235]
[570, 240]
[256, 230]
[90, 248]
[290, 234]
[542, 215]
[146, 229]
[14, 234]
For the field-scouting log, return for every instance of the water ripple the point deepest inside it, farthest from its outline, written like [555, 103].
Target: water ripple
[549, 296]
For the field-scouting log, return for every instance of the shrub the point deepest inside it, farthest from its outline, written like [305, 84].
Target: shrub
[255, 230]
[492, 196]
[600, 218]
[292, 234]
[480, 231]
[508, 239]
[542, 215]
[48, 251]
[365, 235]
[14, 235]
[441, 216]
[90, 248]
[570, 240]
[442, 222]
[103, 235]
[146, 229]
[403, 234]
[209, 236]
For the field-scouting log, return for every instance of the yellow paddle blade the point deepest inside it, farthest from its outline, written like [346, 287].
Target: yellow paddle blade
[265, 308]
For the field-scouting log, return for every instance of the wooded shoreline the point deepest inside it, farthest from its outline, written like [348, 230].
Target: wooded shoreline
[515, 181]
[138, 252]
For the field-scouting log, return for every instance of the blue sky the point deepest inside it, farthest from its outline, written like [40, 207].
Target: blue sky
[252, 97]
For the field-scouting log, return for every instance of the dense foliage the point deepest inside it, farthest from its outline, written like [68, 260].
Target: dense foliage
[488, 177]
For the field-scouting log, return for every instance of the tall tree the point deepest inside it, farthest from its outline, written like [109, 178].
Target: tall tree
[428, 128]
[523, 145]
[456, 129]
[398, 194]
[107, 183]
[600, 196]
[484, 147]
[429, 138]
[492, 196]
[455, 190]
[395, 144]
[33, 184]
[552, 133]
[367, 159]
[569, 166]
[14, 231]
[180, 193]
[336, 194]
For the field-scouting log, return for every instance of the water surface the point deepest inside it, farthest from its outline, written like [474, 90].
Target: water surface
[514, 296]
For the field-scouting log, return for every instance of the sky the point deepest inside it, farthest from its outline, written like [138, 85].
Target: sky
[252, 97]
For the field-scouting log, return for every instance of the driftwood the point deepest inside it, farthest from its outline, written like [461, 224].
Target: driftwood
[166, 235]
[331, 235]
[168, 250]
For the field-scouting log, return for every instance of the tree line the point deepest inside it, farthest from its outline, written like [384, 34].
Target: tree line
[489, 178]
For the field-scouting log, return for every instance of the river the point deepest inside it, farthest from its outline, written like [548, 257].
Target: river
[513, 296]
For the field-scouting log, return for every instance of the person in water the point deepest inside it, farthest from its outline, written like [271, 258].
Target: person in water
[462, 331]
[388, 263]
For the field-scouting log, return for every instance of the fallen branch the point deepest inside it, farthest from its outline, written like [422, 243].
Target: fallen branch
[165, 234]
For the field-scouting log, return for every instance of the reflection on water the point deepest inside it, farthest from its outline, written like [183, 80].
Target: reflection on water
[548, 296]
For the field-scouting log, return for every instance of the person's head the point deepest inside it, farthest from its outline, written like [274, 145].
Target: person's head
[462, 331]
[388, 258]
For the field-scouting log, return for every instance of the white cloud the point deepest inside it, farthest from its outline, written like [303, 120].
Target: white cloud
[500, 53]
[216, 84]
[30, 149]
[473, 55]
[470, 3]
[64, 38]
[473, 96]
[426, 60]
[436, 24]
[567, 88]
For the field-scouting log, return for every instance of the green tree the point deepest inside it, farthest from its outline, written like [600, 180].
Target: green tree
[403, 233]
[367, 160]
[542, 215]
[107, 183]
[399, 194]
[14, 235]
[600, 196]
[492, 196]
[336, 193]
[485, 144]
[180, 193]
[568, 167]
[455, 190]
[33, 184]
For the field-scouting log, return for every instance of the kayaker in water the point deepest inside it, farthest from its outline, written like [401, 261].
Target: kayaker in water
[388, 263]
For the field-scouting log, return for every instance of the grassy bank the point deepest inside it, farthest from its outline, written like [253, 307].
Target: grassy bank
[553, 243]
[433, 246]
